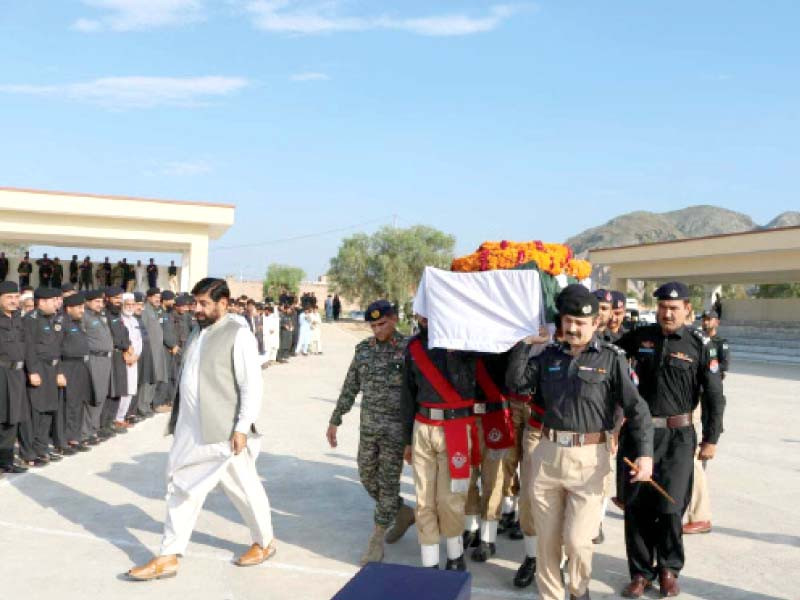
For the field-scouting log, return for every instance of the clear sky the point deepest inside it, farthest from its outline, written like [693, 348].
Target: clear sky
[528, 120]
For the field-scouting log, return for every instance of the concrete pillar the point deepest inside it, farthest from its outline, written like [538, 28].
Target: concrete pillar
[195, 262]
[184, 271]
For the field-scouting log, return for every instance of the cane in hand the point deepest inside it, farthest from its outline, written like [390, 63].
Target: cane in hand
[658, 488]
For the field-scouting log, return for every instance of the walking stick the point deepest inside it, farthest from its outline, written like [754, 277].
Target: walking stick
[658, 488]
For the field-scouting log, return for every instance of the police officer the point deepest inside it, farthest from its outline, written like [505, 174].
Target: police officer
[604, 300]
[673, 364]
[43, 333]
[101, 349]
[166, 393]
[15, 411]
[119, 361]
[441, 442]
[579, 383]
[75, 367]
[376, 371]
[614, 327]
[698, 514]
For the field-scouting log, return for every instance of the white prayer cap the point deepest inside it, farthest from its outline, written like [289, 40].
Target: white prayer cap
[128, 297]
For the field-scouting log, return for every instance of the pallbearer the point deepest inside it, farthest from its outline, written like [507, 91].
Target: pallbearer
[442, 443]
[579, 383]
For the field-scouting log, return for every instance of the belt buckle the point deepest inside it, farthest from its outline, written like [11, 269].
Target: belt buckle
[18, 365]
[437, 414]
[480, 408]
[660, 422]
[564, 439]
[86, 358]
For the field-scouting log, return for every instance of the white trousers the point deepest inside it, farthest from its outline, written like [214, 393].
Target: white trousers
[240, 482]
[124, 405]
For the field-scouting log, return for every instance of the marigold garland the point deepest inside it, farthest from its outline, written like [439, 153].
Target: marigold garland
[554, 259]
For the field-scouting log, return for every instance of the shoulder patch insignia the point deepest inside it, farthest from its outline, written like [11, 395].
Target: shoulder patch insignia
[700, 336]
[615, 348]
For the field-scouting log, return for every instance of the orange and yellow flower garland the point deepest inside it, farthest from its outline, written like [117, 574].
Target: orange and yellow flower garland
[554, 259]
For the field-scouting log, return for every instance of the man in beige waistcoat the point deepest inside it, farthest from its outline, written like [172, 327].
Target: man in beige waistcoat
[215, 441]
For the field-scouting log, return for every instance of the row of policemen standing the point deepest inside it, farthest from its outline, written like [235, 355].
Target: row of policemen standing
[64, 368]
[595, 396]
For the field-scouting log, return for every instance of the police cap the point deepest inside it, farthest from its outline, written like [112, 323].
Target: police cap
[602, 295]
[617, 299]
[113, 291]
[576, 301]
[674, 290]
[138, 297]
[74, 300]
[8, 287]
[183, 300]
[378, 310]
[43, 293]
[153, 291]
[167, 295]
[710, 314]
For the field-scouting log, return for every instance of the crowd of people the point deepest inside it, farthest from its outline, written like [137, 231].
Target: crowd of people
[81, 367]
[535, 442]
[87, 275]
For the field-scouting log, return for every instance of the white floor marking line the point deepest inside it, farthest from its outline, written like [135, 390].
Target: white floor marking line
[226, 557]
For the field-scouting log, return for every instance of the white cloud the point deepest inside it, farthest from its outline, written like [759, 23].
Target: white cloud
[133, 15]
[137, 92]
[309, 77]
[303, 17]
[185, 168]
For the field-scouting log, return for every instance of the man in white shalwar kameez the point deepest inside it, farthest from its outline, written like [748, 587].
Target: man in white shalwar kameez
[135, 334]
[215, 441]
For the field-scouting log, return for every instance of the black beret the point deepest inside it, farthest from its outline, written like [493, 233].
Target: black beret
[379, 309]
[618, 299]
[184, 300]
[43, 293]
[576, 301]
[153, 292]
[710, 314]
[138, 297]
[602, 295]
[8, 287]
[93, 295]
[67, 287]
[674, 290]
[167, 295]
[114, 290]
[74, 300]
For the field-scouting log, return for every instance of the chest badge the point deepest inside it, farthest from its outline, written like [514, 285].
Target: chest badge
[57, 326]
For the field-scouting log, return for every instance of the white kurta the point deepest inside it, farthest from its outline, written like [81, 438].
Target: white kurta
[194, 468]
[316, 332]
[192, 465]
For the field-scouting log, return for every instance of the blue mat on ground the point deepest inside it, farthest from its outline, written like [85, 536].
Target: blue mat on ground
[381, 581]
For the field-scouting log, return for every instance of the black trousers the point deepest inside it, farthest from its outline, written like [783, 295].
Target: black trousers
[72, 411]
[47, 426]
[653, 540]
[109, 413]
[8, 435]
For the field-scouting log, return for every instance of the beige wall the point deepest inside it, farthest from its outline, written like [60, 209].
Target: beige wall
[762, 309]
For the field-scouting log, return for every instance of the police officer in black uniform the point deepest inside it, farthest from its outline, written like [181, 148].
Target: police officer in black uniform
[75, 366]
[15, 408]
[673, 364]
[579, 382]
[119, 367]
[43, 333]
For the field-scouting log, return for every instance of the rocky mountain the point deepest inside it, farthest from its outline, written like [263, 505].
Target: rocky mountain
[643, 227]
[787, 219]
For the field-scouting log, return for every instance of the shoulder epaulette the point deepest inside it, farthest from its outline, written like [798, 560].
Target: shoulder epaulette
[365, 342]
[700, 335]
[615, 348]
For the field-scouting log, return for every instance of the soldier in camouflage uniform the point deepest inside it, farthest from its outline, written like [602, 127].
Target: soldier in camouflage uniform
[377, 372]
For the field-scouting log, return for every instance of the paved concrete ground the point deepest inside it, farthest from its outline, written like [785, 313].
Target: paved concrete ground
[70, 530]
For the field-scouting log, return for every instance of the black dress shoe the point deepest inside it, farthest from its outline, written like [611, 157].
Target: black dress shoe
[515, 531]
[93, 441]
[82, 447]
[472, 539]
[68, 451]
[525, 573]
[54, 456]
[484, 552]
[456, 564]
[13, 469]
[505, 522]
[600, 537]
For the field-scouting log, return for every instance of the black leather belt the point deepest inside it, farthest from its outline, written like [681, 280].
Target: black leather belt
[13, 365]
[484, 408]
[439, 414]
[106, 354]
[75, 358]
[673, 422]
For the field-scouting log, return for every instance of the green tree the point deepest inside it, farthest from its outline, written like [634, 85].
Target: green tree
[389, 263]
[282, 276]
[778, 290]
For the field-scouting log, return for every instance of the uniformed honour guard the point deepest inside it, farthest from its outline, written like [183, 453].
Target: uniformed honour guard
[75, 366]
[376, 372]
[441, 443]
[579, 383]
[673, 364]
